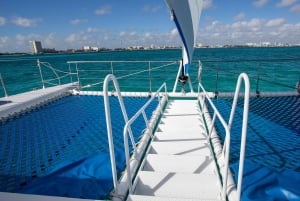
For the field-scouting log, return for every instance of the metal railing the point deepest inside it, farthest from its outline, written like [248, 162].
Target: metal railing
[55, 71]
[216, 75]
[90, 74]
[227, 127]
[129, 123]
[127, 128]
[3, 86]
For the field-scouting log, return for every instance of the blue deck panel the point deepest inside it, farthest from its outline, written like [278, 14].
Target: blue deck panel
[61, 148]
[272, 167]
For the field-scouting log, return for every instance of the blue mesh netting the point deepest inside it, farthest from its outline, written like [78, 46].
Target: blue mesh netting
[61, 148]
[273, 146]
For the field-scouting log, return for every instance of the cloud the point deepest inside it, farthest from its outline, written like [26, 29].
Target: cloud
[151, 9]
[207, 4]
[3, 40]
[78, 21]
[103, 10]
[284, 3]
[255, 30]
[2, 21]
[72, 38]
[295, 8]
[238, 17]
[122, 33]
[133, 33]
[51, 40]
[275, 22]
[25, 22]
[174, 32]
[92, 30]
[260, 3]
[20, 39]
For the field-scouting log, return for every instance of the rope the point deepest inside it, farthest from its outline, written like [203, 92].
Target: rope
[129, 75]
[255, 77]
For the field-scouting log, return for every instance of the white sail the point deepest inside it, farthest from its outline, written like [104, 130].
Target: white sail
[186, 15]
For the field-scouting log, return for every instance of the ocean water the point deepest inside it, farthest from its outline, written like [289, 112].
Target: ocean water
[278, 69]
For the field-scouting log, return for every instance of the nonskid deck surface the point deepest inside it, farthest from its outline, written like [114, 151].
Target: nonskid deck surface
[15, 103]
[179, 165]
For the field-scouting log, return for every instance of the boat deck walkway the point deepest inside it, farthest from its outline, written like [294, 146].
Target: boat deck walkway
[16, 103]
[179, 165]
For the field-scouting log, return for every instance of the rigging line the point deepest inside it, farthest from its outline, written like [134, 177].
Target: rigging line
[125, 76]
[251, 60]
[12, 60]
[253, 76]
[280, 84]
[48, 65]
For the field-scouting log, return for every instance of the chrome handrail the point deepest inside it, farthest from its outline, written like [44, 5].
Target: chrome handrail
[109, 78]
[127, 128]
[227, 127]
[3, 86]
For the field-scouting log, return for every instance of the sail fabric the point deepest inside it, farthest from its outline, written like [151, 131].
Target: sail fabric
[186, 15]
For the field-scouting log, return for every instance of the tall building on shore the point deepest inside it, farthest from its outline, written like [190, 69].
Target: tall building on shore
[36, 47]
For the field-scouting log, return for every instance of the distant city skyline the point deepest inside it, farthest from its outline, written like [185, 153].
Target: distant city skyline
[114, 23]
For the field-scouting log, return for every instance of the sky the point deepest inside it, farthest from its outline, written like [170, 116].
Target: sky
[72, 24]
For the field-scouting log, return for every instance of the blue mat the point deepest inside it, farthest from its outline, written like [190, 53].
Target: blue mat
[272, 169]
[261, 183]
[61, 148]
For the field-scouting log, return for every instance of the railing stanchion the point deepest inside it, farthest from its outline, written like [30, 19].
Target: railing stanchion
[3, 86]
[40, 70]
[150, 83]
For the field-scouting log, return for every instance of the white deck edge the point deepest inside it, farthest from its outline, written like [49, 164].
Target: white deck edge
[27, 197]
[16, 103]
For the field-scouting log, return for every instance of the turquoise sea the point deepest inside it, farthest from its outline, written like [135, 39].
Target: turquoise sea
[278, 69]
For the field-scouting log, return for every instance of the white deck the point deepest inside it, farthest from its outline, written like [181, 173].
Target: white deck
[16, 103]
[179, 165]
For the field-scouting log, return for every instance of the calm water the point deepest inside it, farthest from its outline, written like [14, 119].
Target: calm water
[278, 69]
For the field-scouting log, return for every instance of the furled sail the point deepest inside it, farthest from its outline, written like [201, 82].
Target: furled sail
[186, 15]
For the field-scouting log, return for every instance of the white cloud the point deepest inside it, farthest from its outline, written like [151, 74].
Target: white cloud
[147, 35]
[260, 3]
[254, 30]
[51, 40]
[92, 30]
[122, 33]
[20, 39]
[255, 22]
[284, 3]
[3, 40]
[133, 33]
[2, 21]
[207, 4]
[25, 22]
[78, 21]
[295, 8]
[240, 16]
[174, 32]
[275, 22]
[74, 37]
[151, 9]
[103, 10]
